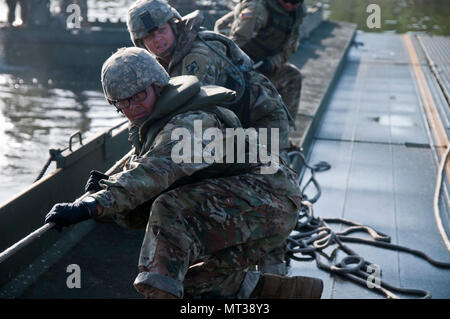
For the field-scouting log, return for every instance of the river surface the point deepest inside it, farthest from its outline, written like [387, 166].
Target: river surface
[40, 110]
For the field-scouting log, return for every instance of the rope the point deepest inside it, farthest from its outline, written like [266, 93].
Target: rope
[25, 241]
[437, 191]
[313, 235]
[53, 156]
[55, 153]
[319, 167]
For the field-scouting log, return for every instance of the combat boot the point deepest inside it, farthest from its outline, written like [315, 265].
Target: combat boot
[281, 287]
[154, 293]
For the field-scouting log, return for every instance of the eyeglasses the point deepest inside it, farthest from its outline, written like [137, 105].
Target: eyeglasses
[125, 103]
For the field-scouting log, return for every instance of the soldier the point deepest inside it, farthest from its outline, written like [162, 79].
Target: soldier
[180, 46]
[268, 31]
[205, 222]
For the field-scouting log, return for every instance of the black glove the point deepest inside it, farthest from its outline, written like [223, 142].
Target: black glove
[65, 214]
[267, 67]
[92, 183]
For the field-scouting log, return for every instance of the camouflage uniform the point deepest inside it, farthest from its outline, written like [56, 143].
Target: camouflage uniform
[266, 32]
[201, 233]
[192, 56]
[198, 53]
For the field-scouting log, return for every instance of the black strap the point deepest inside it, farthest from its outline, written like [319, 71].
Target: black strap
[242, 107]
[148, 22]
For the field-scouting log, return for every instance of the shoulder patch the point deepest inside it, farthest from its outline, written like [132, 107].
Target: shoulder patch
[192, 68]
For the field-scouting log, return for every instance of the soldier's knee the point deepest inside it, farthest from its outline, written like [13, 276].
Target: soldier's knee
[295, 74]
[163, 210]
[290, 75]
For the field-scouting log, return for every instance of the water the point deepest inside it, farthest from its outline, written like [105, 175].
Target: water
[36, 116]
[39, 110]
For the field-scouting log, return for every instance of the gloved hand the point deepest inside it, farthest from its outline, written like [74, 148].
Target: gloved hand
[267, 67]
[65, 214]
[92, 183]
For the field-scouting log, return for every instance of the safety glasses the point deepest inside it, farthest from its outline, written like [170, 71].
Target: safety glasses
[125, 103]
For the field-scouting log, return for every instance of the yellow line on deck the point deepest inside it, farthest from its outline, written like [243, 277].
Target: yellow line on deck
[430, 108]
[434, 121]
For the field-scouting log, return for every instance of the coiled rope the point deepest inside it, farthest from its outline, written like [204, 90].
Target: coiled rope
[312, 235]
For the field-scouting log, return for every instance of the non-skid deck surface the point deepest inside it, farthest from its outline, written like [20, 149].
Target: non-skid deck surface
[374, 135]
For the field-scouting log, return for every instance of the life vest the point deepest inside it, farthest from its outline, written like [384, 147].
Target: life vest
[181, 95]
[184, 94]
[239, 66]
[271, 39]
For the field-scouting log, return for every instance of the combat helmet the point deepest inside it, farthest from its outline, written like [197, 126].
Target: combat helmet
[129, 71]
[145, 16]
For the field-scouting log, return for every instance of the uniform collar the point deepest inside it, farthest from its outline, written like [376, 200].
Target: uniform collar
[187, 31]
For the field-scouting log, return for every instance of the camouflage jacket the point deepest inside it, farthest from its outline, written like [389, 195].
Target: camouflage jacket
[128, 195]
[253, 16]
[193, 57]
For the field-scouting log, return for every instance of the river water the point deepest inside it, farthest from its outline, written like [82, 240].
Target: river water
[40, 110]
[400, 16]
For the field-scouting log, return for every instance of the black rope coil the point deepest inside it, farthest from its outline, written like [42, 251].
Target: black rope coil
[314, 235]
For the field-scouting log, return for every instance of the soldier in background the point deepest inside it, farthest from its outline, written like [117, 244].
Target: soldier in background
[268, 31]
[206, 223]
[12, 4]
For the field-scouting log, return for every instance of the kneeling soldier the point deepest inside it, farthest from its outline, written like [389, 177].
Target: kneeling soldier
[206, 221]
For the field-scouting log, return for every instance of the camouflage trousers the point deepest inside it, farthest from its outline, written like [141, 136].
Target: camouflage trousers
[288, 81]
[201, 238]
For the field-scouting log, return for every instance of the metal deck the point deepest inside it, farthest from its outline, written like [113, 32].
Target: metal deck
[384, 162]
